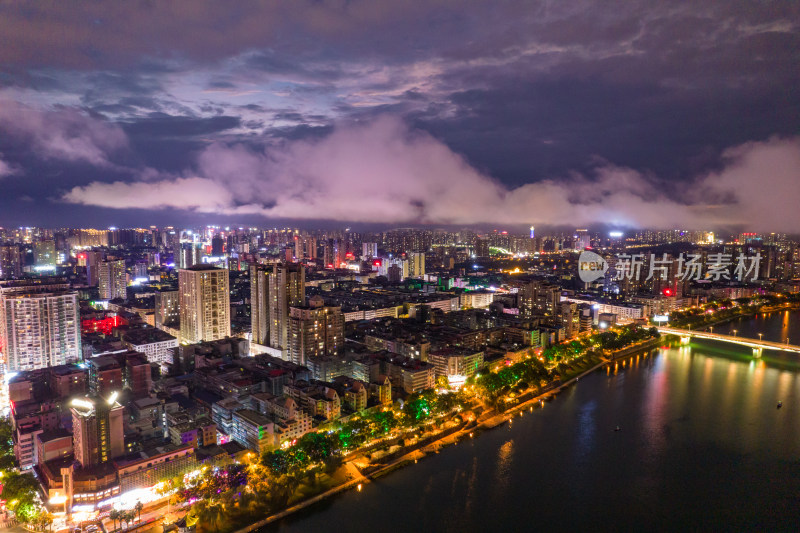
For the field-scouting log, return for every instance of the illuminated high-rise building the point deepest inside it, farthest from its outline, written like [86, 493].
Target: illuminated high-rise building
[582, 239]
[167, 309]
[112, 279]
[44, 255]
[305, 247]
[481, 247]
[416, 264]
[369, 250]
[89, 237]
[104, 376]
[537, 298]
[333, 253]
[259, 303]
[39, 324]
[10, 261]
[204, 303]
[140, 270]
[311, 247]
[400, 273]
[97, 429]
[190, 254]
[299, 249]
[287, 286]
[91, 260]
[314, 331]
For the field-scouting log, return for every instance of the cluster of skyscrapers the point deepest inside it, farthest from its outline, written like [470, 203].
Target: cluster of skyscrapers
[134, 355]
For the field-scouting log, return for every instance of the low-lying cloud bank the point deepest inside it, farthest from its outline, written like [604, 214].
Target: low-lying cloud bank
[382, 171]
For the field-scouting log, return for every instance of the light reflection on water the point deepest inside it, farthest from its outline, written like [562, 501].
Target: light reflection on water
[702, 446]
[505, 457]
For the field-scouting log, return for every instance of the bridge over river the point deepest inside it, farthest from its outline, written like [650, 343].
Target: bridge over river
[757, 345]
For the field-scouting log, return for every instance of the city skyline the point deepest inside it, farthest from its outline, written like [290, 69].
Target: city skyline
[173, 350]
[256, 256]
[544, 231]
[652, 116]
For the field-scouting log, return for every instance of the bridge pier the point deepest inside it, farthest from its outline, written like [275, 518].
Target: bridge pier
[685, 339]
[757, 352]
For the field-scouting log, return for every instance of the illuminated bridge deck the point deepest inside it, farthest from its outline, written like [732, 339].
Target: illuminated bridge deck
[743, 341]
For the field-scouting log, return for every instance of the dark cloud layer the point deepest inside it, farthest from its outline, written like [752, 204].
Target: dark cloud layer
[399, 112]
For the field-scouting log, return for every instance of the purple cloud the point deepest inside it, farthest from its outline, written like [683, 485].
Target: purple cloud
[382, 171]
[62, 134]
[6, 169]
[185, 193]
[537, 109]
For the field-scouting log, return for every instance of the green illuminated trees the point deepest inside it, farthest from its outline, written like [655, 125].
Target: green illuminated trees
[210, 515]
[7, 460]
[21, 491]
[560, 358]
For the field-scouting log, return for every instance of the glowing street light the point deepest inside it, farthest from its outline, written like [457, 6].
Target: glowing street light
[734, 333]
[760, 335]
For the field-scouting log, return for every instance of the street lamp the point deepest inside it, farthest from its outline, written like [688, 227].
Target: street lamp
[734, 333]
[760, 335]
[711, 329]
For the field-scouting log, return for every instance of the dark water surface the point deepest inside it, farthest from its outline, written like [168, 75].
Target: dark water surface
[702, 446]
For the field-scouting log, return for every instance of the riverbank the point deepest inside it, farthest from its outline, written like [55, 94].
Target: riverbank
[677, 408]
[487, 420]
[793, 306]
[638, 348]
[550, 393]
[357, 478]
[765, 309]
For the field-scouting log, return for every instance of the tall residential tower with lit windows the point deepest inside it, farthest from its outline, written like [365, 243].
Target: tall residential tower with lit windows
[287, 288]
[112, 279]
[204, 303]
[39, 324]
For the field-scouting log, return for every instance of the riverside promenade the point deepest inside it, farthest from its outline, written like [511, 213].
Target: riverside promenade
[356, 478]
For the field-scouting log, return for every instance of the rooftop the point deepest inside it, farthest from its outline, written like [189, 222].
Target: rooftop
[146, 402]
[66, 370]
[204, 267]
[53, 434]
[255, 418]
[104, 362]
[147, 336]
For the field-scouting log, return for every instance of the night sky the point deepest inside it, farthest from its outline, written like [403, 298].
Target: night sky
[636, 114]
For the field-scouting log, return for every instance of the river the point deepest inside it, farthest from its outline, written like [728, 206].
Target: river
[701, 446]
